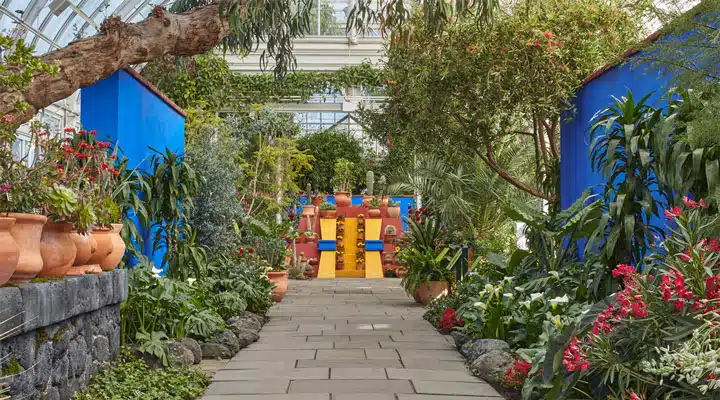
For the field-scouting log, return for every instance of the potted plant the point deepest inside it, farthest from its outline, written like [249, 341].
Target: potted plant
[309, 271]
[328, 210]
[318, 198]
[9, 250]
[279, 276]
[361, 233]
[401, 272]
[390, 234]
[344, 174]
[393, 210]
[339, 261]
[310, 237]
[374, 211]
[56, 245]
[428, 273]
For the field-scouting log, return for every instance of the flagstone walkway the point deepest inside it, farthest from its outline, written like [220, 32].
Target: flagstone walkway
[348, 339]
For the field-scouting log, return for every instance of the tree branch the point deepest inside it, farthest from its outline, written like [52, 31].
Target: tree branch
[551, 137]
[119, 44]
[489, 159]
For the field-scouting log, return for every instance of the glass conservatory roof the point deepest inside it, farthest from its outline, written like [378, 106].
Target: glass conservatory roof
[51, 24]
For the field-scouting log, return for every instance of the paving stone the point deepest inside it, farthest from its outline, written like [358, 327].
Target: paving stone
[358, 373]
[305, 396]
[274, 355]
[363, 396]
[374, 354]
[260, 364]
[340, 354]
[330, 339]
[250, 387]
[432, 354]
[290, 346]
[383, 363]
[434, 375]
[350, 386]
[428, 363]
[358, 345]
[427, 345]
[453, 388]
[264, 374]
[443, 397]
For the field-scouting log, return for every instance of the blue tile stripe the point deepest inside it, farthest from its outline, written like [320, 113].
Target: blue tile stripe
[373, 245]
[327, 245]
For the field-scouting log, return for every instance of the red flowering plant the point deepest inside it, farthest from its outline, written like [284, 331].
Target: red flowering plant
[658, 336]
[448, 321]
[89, 166]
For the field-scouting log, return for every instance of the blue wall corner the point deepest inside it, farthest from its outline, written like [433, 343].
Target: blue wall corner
[125, 111]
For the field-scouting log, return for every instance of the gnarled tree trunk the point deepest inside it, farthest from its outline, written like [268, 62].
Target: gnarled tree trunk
[93, 59]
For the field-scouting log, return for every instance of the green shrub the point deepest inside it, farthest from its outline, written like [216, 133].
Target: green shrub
[131, 378]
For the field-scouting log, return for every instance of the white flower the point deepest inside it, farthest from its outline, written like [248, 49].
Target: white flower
[489, 288]
[526, 304]
[536, 296]
[559, 300]
[191, 281]
[508, 279]
[156, 271]
[508, 295]
[519, 289]
[480, 304]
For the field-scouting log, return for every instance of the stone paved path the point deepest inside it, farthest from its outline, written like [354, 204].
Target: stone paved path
[348, 339]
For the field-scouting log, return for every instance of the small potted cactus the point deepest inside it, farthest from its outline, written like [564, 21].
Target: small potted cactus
[308, 209]
[393, 210]
[374, 205]
[370, 179]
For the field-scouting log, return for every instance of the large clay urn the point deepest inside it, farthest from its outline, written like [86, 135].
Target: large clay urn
[86, 245]
[9, 251]
[27, 231]
[343, 199]
[104, 245]
[427, 292]
[57, 249]
[280, 279]
[118, 249]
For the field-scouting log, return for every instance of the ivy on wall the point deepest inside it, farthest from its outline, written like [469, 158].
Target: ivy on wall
[206, 82]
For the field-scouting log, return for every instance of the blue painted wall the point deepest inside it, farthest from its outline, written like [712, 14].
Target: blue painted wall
[123, 110]
[576, 173]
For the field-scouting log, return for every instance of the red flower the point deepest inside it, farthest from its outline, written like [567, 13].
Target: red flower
[251, 250]
[68, 130]
[679, 305]
[91, 179]
[548, 35]
[448, 321]
[633, 396]
[537, 43]
[626, 271]
[573, 357]
[91, 147]
[673, 213]
[689, 203]
[291, 215]
[104, 166]
[116, 172]
[241, 251]
[702, 204]
[516, 375]
[93, 132]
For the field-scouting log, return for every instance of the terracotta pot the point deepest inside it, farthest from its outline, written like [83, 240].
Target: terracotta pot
[430, 291]
[374, 213]
[389, 238]
[318, 200]
[300, 239]
[343, 199]
[384, 202]
[280, 279]
[110, 262]
[104, 245]
[328, 213]
[366, 200]
[57, 249]
[27, 232]
[393, 212]
[9, 250]
[308, 211]
[401, 272]
[311, 239]
[85, 244]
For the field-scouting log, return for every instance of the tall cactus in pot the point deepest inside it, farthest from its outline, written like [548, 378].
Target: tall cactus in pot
[370, 180]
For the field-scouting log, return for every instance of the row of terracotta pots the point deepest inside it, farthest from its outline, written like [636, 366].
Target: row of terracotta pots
[30, 247]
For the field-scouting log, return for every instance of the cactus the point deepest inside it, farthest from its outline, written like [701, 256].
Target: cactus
[381, 186]
[308, 196]
[370, 178]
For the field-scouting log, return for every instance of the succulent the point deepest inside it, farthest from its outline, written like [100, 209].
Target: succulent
[308, 196]
[374, 202]
[391, 230]
[62, 202]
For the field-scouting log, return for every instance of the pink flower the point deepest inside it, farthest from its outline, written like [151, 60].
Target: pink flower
[573, 357]
[633, 396]
[702, 204]
[689, 203]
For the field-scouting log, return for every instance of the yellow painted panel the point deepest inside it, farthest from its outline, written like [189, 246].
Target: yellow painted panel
[372, 228]
[350, 274]
[327, 265]
[373, 265]
[327, 228]
[350, 244]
